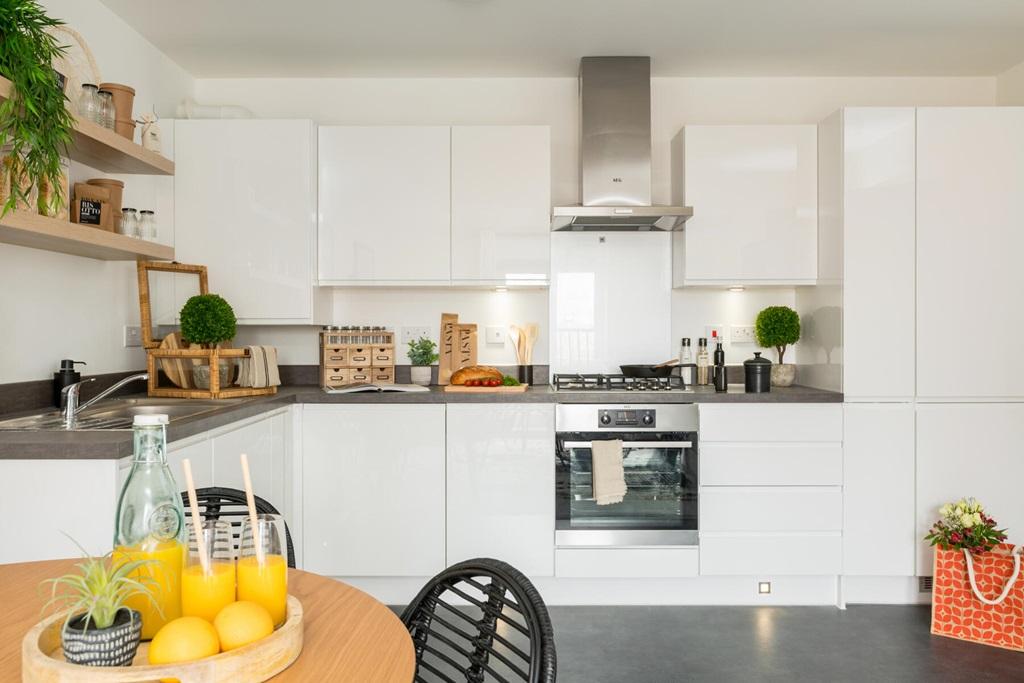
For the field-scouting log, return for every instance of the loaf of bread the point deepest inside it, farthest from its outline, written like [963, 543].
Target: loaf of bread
[483, 372]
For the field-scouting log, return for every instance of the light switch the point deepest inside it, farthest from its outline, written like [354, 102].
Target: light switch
[495, 334]
[132, 336]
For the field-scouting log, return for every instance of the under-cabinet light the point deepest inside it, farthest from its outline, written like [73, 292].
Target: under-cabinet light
[764, 587]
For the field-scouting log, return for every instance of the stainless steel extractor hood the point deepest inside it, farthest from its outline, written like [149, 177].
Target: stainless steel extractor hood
[615, 151]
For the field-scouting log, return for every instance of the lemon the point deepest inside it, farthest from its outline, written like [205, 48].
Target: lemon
[241, 623]
[182, 640]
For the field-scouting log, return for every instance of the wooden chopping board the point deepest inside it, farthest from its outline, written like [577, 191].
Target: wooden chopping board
[460, 389]
[178, 370]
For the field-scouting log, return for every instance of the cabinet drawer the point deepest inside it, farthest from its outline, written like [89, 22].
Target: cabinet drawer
[359, 374]
[383, 375]
[334, 377]
[734, 508]
[771, 464]
[772, 422]
[382, 356]
[335, 356]
[359, 356]
[626, 562]
[766, 554]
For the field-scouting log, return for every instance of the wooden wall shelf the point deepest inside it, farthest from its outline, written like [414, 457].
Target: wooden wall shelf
[28, 229]
[105, 150]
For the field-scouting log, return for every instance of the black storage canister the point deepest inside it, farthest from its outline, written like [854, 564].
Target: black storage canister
[757, 374]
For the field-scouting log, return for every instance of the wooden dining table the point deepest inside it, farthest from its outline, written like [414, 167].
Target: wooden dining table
[349, 636]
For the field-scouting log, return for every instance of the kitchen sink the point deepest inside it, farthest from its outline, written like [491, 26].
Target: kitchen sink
[117, 414]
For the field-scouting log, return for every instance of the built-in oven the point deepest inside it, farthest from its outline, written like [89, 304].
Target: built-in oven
[659, 461]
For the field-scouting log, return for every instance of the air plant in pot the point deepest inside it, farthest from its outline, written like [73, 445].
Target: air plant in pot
[208, 320]
[422, 354]
[100, 630]
[779, 327]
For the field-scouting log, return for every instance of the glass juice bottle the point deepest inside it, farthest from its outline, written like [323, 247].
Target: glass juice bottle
[150, 525]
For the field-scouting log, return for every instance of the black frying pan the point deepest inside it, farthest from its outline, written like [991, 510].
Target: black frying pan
[648, 371]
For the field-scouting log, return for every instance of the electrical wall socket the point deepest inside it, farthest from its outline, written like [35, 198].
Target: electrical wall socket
[132, 336]
[413, 333]
[742, 334]
[495, 334]
[710, 330]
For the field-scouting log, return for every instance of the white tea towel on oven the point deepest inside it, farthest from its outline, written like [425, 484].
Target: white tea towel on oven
[259, 369]
[608, 476]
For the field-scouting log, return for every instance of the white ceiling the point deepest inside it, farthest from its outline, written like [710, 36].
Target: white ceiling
[223, 38]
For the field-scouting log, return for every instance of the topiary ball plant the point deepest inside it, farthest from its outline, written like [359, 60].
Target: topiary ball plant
[207, 320]
[778, 327]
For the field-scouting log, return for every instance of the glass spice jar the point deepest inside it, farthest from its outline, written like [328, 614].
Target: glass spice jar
[106, 112]
[129, 225]
[88, 104]
[147, 225]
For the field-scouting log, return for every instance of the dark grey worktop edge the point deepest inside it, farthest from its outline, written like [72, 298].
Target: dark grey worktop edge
[115, 445]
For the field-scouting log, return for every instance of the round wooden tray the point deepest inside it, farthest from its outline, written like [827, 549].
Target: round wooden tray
[42, 658]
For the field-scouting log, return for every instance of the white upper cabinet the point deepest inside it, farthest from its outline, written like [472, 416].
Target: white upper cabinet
[878, 207]
[501, 203]
[245, 206]
[970, 171]
[753, 190]
[385, 205]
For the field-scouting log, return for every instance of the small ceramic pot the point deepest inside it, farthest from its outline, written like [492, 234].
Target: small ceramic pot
[421, 375]
[113, 646]
[783, 375]
[201, 374]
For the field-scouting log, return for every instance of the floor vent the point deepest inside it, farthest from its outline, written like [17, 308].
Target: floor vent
[924, 584]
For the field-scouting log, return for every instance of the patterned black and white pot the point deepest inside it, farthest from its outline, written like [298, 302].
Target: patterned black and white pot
[113, 646]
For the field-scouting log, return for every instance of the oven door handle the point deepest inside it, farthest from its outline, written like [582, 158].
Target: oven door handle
[632, 444]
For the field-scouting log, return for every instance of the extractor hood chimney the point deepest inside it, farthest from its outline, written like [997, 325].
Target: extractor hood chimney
[615, 151]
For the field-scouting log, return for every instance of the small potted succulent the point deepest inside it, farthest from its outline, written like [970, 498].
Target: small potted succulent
[422, 354]
[100, 630]
[208, 320]
[779, 326]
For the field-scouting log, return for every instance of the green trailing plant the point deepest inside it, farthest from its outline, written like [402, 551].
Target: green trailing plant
[35, 120]
[207, 320]
[778, 327]
[100, 589]
[422, 351]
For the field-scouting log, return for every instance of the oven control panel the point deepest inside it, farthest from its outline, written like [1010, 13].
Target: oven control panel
[610, 419]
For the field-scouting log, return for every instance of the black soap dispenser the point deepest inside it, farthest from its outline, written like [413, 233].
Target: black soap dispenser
[64, 377]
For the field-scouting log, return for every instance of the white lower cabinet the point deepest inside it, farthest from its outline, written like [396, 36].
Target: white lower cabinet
[264, 443]
[766, 554]
[501, 484]
[969, 449]
[637, 563]
[879, 537]
[373, 489]
[198, 451]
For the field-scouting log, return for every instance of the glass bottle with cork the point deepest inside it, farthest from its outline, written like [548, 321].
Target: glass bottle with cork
[150, 525]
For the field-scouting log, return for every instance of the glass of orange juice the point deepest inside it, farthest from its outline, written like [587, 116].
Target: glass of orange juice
[262, 573]
[207, 590]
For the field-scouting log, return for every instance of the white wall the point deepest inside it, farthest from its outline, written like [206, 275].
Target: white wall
[553, 102]
[1010, 86]
[56, 306]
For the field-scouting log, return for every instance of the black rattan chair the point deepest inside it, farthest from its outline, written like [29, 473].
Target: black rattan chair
[218, 502]
[481, 620]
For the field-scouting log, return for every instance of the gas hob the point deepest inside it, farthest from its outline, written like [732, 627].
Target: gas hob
[602, 382]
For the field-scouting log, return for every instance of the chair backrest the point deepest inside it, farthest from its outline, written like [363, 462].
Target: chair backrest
[481, 620]
[218, 502]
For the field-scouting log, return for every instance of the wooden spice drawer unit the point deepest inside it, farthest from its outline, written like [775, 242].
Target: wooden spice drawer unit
[385, 375]
[335, 377]
[382, 356]
[335, 356]
[359, 356]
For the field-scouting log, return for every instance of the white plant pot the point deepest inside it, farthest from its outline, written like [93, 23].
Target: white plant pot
[783, 375]
[421, 375]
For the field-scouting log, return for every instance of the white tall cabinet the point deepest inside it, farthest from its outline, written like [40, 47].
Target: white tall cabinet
[385, 205]
[754, 193]
[245, 203]
[373, 489]
[501, 484]
[970, 172]
[501, 204]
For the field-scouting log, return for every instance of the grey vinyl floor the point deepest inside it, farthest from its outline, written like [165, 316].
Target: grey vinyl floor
[752, 644]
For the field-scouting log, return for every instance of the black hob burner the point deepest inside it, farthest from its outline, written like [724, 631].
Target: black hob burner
[601, 382]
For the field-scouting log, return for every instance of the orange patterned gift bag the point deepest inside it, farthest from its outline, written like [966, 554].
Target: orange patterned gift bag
[978, 591]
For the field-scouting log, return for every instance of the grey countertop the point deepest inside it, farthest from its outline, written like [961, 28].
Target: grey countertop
[107, 445]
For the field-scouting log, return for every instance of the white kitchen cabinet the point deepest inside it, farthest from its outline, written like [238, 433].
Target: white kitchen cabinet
[970, 170]
[771, 422]
[771, 464]
[245, 203]
[500, 204]
[753, 190]
[771, 508]
[764, 555]
[878, 177]
[198, 451]
[879, 533]
[263, 442]
[627, 563]
[969, 450]
[501, 484]
[385, 205]
[373, 487]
